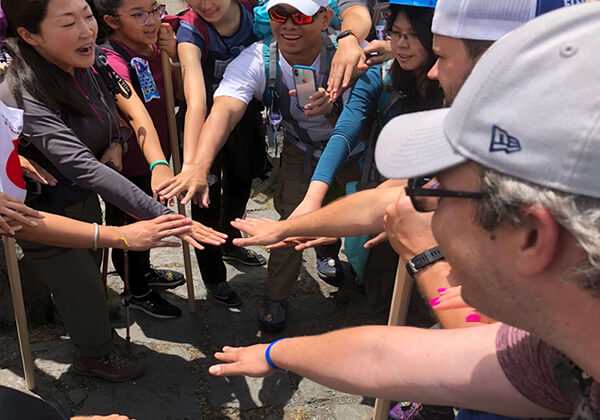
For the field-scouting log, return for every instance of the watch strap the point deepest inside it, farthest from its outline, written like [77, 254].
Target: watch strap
[422, 260]
[344, 34]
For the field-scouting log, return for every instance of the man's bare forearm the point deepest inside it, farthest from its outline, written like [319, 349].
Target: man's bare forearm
[441, 367]
[356, 214]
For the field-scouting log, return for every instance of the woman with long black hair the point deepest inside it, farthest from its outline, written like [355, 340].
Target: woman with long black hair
[70, 128]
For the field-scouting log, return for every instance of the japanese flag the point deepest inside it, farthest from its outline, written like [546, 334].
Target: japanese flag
[11, 178]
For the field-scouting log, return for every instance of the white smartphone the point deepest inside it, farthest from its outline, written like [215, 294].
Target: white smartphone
[305, 81]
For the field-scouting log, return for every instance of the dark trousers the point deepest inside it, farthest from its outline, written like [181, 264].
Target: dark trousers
[139, 261]
[74, 279]
[228, 199]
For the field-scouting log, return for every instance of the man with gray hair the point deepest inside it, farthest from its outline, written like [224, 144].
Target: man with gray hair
[463, 30]
[517, 207]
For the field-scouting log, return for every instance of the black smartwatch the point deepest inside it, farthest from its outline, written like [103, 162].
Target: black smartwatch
[344, 34]
[425, 258]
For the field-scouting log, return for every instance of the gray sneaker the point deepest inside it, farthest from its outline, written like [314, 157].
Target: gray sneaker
[223, 293]
[272, 315]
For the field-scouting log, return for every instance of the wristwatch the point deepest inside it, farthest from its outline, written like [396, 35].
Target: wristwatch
[344, 34]
[425, 258]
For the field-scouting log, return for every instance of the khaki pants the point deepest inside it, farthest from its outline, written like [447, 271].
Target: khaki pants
[285, 263]
[76, 284]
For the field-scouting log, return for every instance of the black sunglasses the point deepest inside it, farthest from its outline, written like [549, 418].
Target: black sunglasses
[425, 193]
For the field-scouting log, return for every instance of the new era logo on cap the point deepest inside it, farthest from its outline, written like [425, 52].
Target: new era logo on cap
[545, 6]
[502, 141]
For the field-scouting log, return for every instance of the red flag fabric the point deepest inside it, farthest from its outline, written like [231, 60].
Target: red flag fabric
[11, 178]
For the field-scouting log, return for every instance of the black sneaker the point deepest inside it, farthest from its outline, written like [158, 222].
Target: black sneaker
[223, 293]
[330, 270]
[272, 315]
[245, 256]
[154, 305]
[164, 278]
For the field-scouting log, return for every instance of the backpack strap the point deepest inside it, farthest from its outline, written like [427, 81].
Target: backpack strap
[272, 72]
[112, 45]
[388, 96]
[192, 18]
[109, 76]
[249, 4]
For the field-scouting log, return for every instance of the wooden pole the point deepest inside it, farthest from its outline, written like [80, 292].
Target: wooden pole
[19, 309]
[170, 98]
[398, 312]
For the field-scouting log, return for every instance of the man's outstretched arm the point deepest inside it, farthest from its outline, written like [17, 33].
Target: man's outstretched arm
[442, 367]
[357, 214]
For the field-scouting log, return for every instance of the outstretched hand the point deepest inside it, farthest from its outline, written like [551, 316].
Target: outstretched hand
[14, 214]
[261, 231]
[246, 361]
[192, 181]
[408, 231]
[151, 233]
[203, 234]
[35, 172]
[348, 58]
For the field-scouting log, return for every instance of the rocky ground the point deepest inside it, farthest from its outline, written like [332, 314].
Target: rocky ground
[178, 352]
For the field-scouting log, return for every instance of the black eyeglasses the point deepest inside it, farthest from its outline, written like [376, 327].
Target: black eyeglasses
[425, 193]
[143, 17]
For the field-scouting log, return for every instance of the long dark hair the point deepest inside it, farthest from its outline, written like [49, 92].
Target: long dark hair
[102, 8]
[28, 70]
[409, 82]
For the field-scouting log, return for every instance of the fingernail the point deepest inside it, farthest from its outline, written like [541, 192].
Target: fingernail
[434, 301]
[442, 290]
[32, 223]
[473, 318]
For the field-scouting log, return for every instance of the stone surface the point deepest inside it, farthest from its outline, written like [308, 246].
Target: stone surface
[178, 352]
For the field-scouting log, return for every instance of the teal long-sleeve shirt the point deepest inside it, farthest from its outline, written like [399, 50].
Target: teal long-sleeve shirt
[363, 100]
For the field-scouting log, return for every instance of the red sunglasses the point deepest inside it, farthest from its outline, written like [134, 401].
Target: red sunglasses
[281, 16]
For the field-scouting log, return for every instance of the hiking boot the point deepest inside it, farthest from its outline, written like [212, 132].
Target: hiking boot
[154, 305]
[116, 366]
[168, 279]
[330, 270]
[223, 293]
[245, 256]
[272, 315]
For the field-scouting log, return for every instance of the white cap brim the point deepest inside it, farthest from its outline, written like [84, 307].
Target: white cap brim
[414, 145]
[306, 7]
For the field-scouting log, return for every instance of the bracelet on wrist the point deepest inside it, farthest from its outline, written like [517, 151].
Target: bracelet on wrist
[96, 231]
[122, 238]
[174, 63]
[268, 356]
[159, 162]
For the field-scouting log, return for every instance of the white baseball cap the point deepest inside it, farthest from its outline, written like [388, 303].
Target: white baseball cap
[530, 109]
[488, 20]
[307, 7]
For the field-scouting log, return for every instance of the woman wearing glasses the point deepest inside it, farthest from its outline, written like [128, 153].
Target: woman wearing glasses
[70, 124]
[132, 37]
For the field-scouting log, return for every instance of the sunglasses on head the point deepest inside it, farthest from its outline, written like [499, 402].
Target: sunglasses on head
[279, 15]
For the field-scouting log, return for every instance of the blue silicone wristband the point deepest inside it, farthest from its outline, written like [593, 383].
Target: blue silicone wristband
[268, 355]
[159, 162]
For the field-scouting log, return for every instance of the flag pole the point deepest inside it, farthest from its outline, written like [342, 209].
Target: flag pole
[16, 292]
[170, 98]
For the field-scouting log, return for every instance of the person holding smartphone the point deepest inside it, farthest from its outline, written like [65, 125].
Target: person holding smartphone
[299, 37]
